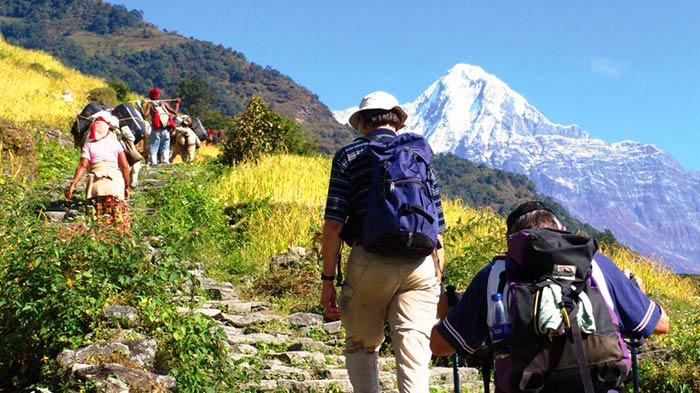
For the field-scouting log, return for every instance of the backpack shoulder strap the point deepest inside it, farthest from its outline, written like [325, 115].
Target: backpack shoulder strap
[575, 336]
[495, 283]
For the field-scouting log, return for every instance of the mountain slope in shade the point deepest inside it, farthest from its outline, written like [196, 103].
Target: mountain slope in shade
[638, 191]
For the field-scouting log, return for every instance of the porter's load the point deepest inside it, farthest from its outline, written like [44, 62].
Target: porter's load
[83, 121]
[199, 129]
[130, 116]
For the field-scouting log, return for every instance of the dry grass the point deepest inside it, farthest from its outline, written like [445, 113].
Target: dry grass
[296, 188]
[32, 84]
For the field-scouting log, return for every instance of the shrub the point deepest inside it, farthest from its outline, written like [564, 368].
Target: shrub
[260, 131]
[103, 95]
[121, 89]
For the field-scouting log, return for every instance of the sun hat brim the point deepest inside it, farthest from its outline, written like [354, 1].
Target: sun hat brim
[378, 100]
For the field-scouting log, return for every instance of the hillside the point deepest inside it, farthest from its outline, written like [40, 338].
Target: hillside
[76, 31]
[477, 185]
[57, 279]
[115, 43]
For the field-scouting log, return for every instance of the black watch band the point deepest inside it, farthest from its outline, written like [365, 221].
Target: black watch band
[327, 278]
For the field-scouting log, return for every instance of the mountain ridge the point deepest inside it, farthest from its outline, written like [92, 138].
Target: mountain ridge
[113, 42]
[638, 191]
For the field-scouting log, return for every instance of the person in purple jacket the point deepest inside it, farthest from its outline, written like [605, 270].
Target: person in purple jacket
[464, 328]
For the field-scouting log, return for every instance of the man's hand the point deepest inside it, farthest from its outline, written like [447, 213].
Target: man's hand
[328, 301]
[447, 301]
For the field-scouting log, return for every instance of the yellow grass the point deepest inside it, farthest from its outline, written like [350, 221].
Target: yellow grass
[32, 84]
[283, 178]
[206, 152]
[297, 187]
[657, 278]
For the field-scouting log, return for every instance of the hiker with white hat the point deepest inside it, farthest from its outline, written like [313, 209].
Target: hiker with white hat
[398, 281]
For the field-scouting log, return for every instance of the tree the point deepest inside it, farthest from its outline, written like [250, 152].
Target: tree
[121, 88]
[217, 121]
[261, 131]
[197, 96]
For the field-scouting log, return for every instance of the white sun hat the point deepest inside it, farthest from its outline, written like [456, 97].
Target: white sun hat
[378, 100]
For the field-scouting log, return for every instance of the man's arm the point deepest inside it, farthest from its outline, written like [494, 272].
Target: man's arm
[79, 172]
[638, 314]
[330, 247]
[146, 110]
[664, 324]
[438, 345]
[126, 173]
[171, 109]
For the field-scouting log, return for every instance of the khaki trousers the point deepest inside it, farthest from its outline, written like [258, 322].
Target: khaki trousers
[406, 293]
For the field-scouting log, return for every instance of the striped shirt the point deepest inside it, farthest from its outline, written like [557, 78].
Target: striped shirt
[348, 189]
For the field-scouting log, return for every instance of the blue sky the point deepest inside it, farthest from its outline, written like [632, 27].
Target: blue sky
[624, 69]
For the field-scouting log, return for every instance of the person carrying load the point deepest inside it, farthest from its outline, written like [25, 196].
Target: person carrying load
[161, 116]
[107, 182]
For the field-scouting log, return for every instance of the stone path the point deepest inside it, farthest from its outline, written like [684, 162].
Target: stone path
[293, 353]
[301, 363]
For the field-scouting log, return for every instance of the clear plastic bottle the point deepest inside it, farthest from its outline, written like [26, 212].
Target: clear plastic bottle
[500, 327]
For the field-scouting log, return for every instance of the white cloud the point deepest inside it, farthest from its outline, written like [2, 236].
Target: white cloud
[609, 67]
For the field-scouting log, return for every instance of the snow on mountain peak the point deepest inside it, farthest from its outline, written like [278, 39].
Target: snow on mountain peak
[636, 190]
[471, 105]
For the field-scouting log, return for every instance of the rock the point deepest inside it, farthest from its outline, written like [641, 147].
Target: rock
[55, 216]
[217, 290]
[332, 327]
[241, 321]
[136, 380]
[305, 319]
[126, 315]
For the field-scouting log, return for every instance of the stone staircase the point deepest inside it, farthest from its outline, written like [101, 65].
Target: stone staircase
[300, 363]
[282, 353]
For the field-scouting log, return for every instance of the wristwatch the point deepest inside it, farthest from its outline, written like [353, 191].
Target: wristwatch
[327, 278]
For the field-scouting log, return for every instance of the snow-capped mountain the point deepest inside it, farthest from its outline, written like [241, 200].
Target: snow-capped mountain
[638, 191]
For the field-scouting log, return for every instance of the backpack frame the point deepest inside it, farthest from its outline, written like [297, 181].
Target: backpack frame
[569, 361]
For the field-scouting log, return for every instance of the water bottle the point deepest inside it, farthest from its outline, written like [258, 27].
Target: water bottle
[499, 326]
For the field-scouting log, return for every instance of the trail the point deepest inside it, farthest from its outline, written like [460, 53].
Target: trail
[308, 351]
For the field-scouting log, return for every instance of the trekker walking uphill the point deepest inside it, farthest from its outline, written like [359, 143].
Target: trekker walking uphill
[107, 182]
[552, 310]
[161, 117]
[383, 201]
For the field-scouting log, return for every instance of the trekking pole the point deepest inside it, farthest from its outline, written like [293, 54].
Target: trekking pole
[451, 301]
[635, 342]
[635, 372]
[455, 371]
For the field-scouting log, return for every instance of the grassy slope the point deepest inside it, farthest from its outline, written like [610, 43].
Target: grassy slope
[285, 196]
[31, 86]
[143, 55]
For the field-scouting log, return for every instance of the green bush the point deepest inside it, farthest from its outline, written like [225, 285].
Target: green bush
[56, 280]
[54, 288]
[103, 95]
[260, 131]
[190, 217]
[120, 88]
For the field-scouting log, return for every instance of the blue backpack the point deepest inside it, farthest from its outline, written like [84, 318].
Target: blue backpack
[401, 219]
